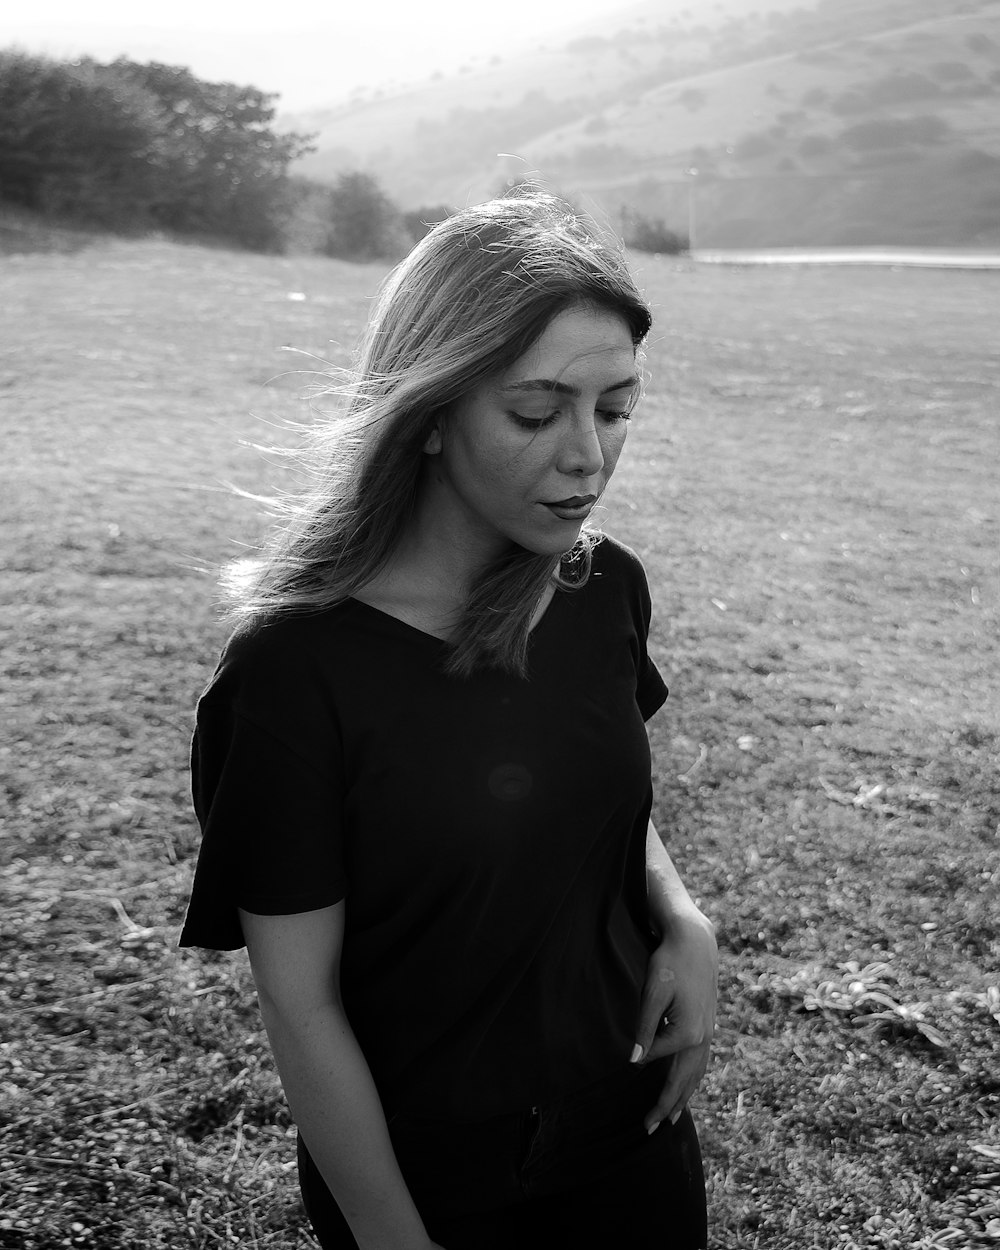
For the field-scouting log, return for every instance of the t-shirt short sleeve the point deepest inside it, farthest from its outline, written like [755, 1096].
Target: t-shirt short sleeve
[650, 688]
[267, 792]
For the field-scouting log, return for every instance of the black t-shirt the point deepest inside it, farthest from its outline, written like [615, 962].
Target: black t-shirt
[487, 833]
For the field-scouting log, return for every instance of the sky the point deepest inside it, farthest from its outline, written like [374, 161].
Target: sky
[311, 52]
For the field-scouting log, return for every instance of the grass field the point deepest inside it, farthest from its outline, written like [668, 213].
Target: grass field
[812, 482]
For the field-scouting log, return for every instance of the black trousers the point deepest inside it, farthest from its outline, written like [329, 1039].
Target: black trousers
[579, 1171]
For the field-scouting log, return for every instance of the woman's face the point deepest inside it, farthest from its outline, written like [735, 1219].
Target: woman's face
[525, 456]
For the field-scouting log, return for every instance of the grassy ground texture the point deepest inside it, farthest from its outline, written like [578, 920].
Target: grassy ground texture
[812, 482]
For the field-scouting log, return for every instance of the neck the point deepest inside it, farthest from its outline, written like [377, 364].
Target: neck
[440, 547]
[429, 579]
[430, 575]
[432, 572]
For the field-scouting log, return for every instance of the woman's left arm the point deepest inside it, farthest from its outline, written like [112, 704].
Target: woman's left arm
[677, 1013]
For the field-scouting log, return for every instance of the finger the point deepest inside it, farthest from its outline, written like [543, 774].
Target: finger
[669, 1039]
[686, 1073]
[675, 1035]
[657, 995]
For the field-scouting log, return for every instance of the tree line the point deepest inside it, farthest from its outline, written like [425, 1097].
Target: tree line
[123, 145]
[128, 146]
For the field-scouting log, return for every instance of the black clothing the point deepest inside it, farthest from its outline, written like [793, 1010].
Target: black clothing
[487, 833]
[579, 1172]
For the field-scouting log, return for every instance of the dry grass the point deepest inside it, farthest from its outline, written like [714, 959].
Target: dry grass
[812, 484]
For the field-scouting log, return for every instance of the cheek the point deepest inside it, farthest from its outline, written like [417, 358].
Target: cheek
[512, 462]
[493, 465]
[612, 443]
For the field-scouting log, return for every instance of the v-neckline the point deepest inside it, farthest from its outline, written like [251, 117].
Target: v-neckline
[551, 591]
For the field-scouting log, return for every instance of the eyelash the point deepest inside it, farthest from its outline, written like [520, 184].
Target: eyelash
[528, 423]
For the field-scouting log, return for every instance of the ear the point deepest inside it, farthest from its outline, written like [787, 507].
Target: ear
[433, 442]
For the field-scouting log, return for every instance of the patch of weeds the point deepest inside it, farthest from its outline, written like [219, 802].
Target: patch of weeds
[863, 996]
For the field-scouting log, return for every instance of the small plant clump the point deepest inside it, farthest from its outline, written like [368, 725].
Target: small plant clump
[650, 234]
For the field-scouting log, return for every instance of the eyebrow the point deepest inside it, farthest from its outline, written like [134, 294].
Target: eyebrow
[550, 385]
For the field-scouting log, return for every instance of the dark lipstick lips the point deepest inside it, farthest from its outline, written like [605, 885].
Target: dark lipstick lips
[577, 501]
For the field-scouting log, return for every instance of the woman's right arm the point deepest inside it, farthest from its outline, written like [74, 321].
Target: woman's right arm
[333, 1100]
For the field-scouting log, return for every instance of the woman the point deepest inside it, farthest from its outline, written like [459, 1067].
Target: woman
[423, 779]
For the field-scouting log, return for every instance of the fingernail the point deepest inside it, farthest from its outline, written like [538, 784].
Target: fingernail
[636, 1053]
[676, 1115]
[652, 1128]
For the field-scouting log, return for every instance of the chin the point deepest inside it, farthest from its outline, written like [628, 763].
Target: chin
[555, 546]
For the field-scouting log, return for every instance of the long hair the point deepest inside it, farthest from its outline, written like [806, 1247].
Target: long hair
[469, 300]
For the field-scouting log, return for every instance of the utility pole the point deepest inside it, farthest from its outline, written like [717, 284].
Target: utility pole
[692, 174]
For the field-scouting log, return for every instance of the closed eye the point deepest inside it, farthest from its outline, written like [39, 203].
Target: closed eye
[622, 411]
[532, 423]
[610, 415]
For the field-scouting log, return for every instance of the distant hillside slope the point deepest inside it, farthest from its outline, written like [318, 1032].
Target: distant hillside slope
[839, 121]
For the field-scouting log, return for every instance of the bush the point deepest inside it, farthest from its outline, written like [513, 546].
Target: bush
[893, 89]
[895, 132]
[129, 145]
[307, 226]
[76, 139]
[364, 223]
[222, 169]
[979, 41]
[952, 71]
[754, 146]
[649, 234]
[418, 221]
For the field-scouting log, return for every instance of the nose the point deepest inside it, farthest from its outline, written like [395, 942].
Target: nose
[582, 452]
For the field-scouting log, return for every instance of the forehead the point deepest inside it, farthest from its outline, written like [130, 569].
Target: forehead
[593, 345]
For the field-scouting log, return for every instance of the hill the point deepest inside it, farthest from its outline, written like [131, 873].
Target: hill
[837, 121]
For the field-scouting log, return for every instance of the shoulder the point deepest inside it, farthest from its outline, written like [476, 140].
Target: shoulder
[620, 572]
[278, 661]
[612, 558]
[266, 641]
[290, 640]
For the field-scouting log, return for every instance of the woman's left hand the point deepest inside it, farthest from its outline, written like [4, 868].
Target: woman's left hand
[677, 1012]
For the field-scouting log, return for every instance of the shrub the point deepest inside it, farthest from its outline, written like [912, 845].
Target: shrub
[128, 145]
[753, 146]
[895, 132]
[221, 169]
[649, 234]
[952, 71]
[307, 225]
[76, 139]
[979, 41]
[893, 89]
[364, 222]
[418, 221]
